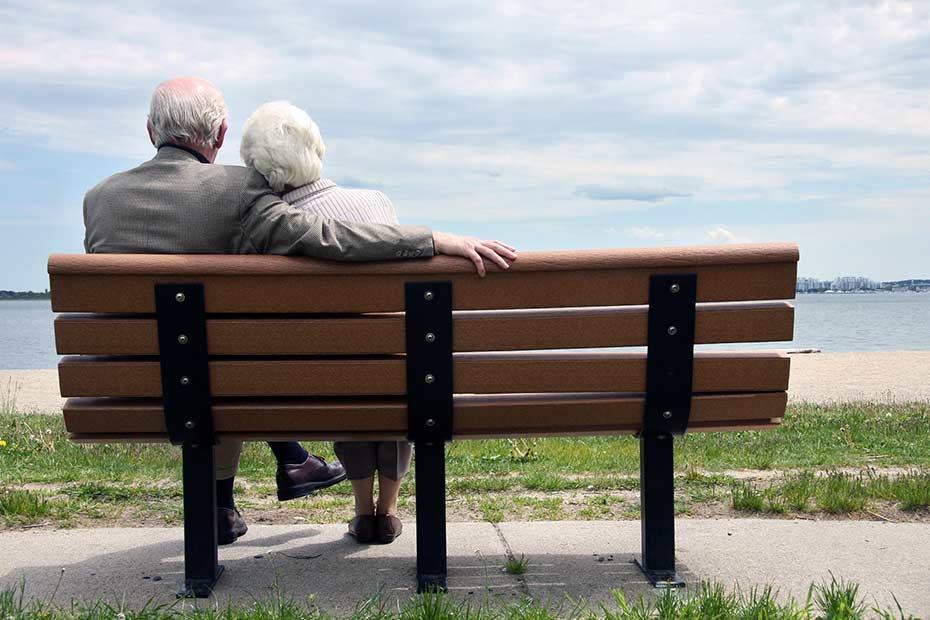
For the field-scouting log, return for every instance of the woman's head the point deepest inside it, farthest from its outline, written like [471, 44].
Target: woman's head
[283, 143]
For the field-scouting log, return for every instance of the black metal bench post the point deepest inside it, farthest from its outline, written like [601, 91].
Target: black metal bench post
[182, 345]
[428, 307]
[669, 369]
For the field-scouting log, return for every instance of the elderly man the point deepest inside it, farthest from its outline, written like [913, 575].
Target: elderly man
[179, 202]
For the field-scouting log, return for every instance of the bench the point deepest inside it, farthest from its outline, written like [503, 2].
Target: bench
[188, 349]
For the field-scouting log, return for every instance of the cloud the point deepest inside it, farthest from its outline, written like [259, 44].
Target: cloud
[616, 192]
[723, 234]
[649, 118]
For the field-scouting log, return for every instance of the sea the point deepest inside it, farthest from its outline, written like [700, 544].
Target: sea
[828, 322]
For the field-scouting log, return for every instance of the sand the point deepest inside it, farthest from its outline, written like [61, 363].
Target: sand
[896, 376]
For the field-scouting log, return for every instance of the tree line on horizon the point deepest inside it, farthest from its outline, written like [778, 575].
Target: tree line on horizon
[23, 295]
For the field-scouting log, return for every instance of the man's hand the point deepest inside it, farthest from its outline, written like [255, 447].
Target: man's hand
[475, 250]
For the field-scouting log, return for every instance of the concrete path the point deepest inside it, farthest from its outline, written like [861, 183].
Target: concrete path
[895, 376]
[581, 559]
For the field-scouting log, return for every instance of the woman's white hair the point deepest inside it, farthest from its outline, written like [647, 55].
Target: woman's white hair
[193, 114]
[283, 143]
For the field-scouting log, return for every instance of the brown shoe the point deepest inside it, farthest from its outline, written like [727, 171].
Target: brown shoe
[229, 526]
[387, 528]
[301, 480]
[362, 528]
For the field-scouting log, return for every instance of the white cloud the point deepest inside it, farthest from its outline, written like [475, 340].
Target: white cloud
[748, 113]
[722, 234]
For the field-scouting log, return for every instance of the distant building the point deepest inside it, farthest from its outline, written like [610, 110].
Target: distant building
[845, 284]
[811, 285]
[853, 283]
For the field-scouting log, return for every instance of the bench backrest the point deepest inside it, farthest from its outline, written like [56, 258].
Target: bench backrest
[308, 348]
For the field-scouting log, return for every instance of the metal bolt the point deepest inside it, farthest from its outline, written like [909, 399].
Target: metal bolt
[672, 330]
[429, 378]
[185, 381]
[430, 422]
[428, 295]
[182, 339]
[430, 337]
[189, 424]
[674, 288]
[667, 415]
[179, 297]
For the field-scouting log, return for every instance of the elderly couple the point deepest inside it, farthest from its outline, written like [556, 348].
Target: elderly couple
[180, 202]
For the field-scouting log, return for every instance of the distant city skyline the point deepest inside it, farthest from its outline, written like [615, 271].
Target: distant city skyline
[858, 283]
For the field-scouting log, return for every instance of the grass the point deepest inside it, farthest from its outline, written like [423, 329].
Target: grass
[813, 437]
[835, 600]
[495, 480]
[833, 492]
[516, 566]
[19, 507]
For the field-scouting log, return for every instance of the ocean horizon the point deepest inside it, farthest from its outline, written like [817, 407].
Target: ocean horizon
[840, 322]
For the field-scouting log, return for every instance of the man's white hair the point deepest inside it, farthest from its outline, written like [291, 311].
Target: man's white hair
[283, 143]
[193, 114]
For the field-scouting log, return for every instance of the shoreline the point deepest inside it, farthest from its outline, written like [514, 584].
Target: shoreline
[821, 378]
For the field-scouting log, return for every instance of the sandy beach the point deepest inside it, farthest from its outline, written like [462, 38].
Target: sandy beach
[895, 376]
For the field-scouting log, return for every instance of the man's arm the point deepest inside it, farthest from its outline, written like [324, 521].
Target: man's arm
[274, 227]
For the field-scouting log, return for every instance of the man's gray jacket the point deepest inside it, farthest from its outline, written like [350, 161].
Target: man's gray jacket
[174, 204]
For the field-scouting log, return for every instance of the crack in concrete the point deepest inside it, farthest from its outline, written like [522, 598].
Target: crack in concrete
[521, 579]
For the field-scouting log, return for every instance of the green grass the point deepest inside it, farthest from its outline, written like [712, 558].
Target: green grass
[516, 566]
[18, 507]
[812, 437]
[833, 492]
[746, 497]
[835, 600]
[504, 479]
[839, 493]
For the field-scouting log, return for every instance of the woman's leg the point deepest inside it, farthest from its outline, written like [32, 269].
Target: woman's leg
[359, 458]
[393, 465]
[364, 490]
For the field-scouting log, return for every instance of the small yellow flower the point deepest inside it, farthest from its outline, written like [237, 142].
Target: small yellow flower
[2, 443]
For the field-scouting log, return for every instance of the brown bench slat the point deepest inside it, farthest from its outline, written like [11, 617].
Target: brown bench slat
[513, 330]
[475, 416]
[710, 427]
[475, 373]
[559, 260]
[275, 284]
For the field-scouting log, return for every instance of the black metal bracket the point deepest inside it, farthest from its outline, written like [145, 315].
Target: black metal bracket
[670, 353]
[428, 308]
[657, 513]
[185, 375]
[201, 558]
[188, 409]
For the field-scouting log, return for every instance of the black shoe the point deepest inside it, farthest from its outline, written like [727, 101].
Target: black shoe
[229, 526]
[301, 480]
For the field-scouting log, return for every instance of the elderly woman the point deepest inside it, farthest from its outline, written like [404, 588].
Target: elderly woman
[283, 143]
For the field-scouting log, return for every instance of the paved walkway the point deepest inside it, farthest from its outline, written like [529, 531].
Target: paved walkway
[582, 559]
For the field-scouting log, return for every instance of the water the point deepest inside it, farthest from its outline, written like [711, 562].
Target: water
[841, 322]
[27, 339]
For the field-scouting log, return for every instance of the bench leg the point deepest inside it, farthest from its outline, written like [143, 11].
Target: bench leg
[201, 569]
[431, 516]
[657, 496]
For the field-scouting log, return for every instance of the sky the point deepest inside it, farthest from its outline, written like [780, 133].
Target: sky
[550, 124]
